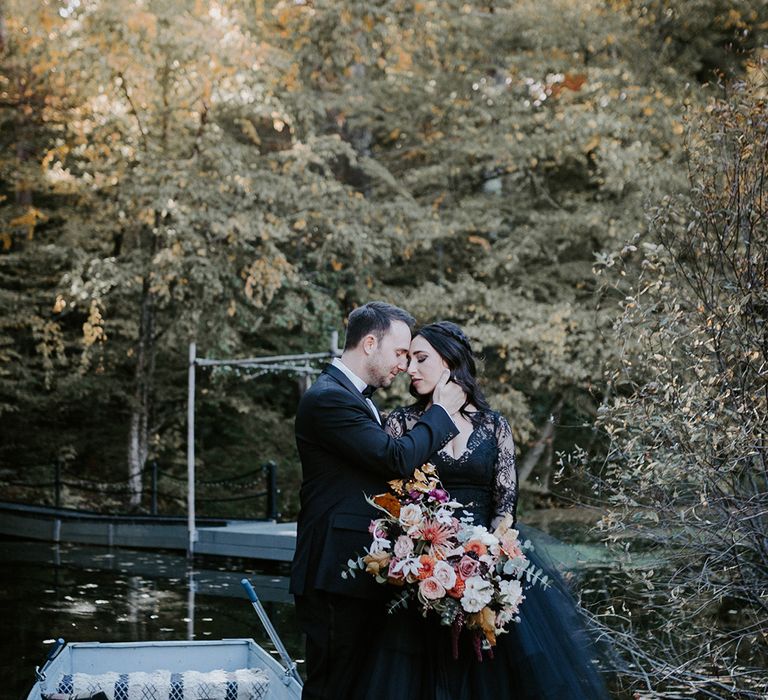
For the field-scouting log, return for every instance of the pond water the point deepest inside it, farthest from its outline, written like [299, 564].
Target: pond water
[95, 594]
[84, 593]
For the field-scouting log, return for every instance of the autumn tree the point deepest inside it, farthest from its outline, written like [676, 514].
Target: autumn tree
[244, 174]
[515, 154]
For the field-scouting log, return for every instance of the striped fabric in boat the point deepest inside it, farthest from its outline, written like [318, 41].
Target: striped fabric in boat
[242, 684]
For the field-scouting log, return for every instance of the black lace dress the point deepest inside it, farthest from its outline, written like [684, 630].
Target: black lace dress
[546, 656]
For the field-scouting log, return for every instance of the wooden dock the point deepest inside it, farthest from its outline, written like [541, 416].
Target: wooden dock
[247, 539]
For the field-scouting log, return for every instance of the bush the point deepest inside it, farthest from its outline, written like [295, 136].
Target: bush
[687, 471]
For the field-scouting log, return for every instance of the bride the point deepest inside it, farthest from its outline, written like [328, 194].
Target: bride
[545, 656]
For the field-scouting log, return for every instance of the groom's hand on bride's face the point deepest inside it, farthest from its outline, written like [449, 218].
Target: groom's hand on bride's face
[448, 394]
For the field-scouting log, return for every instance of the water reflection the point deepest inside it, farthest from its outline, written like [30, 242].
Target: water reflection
[87, 593]
[94, 594]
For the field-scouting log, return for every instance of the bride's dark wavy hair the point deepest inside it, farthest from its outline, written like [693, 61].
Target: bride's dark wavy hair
[452, 344]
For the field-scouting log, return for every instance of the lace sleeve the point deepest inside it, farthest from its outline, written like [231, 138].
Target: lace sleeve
[395, 424]
[504, 473]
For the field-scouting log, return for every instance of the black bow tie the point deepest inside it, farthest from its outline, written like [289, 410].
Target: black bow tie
[368, 391]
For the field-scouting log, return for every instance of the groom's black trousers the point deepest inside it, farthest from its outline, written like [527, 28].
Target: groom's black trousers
[339, 629]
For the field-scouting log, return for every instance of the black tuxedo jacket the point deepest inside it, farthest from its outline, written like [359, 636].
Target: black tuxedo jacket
[345, 454]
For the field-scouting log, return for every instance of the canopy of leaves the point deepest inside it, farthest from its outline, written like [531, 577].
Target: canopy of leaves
[243, 174]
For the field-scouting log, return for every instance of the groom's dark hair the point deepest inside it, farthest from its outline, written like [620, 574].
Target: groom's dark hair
[374, 318]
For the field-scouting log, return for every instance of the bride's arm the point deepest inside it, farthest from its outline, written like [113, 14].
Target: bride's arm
[504, 474]
[395, 424]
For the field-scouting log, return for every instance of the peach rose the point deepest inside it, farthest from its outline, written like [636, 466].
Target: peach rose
[431, 589]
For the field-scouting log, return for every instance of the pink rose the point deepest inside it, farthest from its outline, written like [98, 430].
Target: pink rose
[431, 589]
[403, 546]
[445, 575]
[468, 567]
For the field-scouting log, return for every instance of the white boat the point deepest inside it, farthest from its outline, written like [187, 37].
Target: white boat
[228, 669]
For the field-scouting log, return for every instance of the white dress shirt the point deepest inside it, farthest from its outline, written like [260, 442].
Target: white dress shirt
[360, 385]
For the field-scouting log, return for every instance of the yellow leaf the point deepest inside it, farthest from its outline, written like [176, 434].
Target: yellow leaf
[482, 242]
[29, 220]
[336, 265]
[291, 79]
[404, 60]
[592, 144]
[6, 238]
[146, 217]
[59, 305]
[300, 225]
[142, 21]
[232, 310]
[249, 130]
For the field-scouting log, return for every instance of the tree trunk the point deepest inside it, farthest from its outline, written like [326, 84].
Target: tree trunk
[141, 405]
[542, 447]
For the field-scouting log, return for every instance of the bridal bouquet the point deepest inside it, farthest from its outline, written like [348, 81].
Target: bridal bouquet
[427, 544]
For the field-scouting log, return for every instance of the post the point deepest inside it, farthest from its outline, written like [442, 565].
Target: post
[154, 487]
[191, 590]
[191, 530]
[272, 513]
[57, 483]
[335, 349]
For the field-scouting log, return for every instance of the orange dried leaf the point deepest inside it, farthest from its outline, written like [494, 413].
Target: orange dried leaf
[389, 503]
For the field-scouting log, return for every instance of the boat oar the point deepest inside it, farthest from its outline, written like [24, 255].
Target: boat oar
[290, 666]
[58, 645]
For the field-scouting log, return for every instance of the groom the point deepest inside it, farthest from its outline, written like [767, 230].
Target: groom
[345, 453]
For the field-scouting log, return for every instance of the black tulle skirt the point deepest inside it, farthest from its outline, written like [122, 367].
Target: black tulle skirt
[548, 655]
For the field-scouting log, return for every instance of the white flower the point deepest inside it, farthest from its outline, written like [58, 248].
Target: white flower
[445, 574]
[408, 566]
[479, 533]
[477, 594]
[403, 547]
[379, 544]
[511, 594]
[487, 538]
[444, 515]
[411, 515]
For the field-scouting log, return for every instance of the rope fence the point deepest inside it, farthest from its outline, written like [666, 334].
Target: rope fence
[261, 483]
